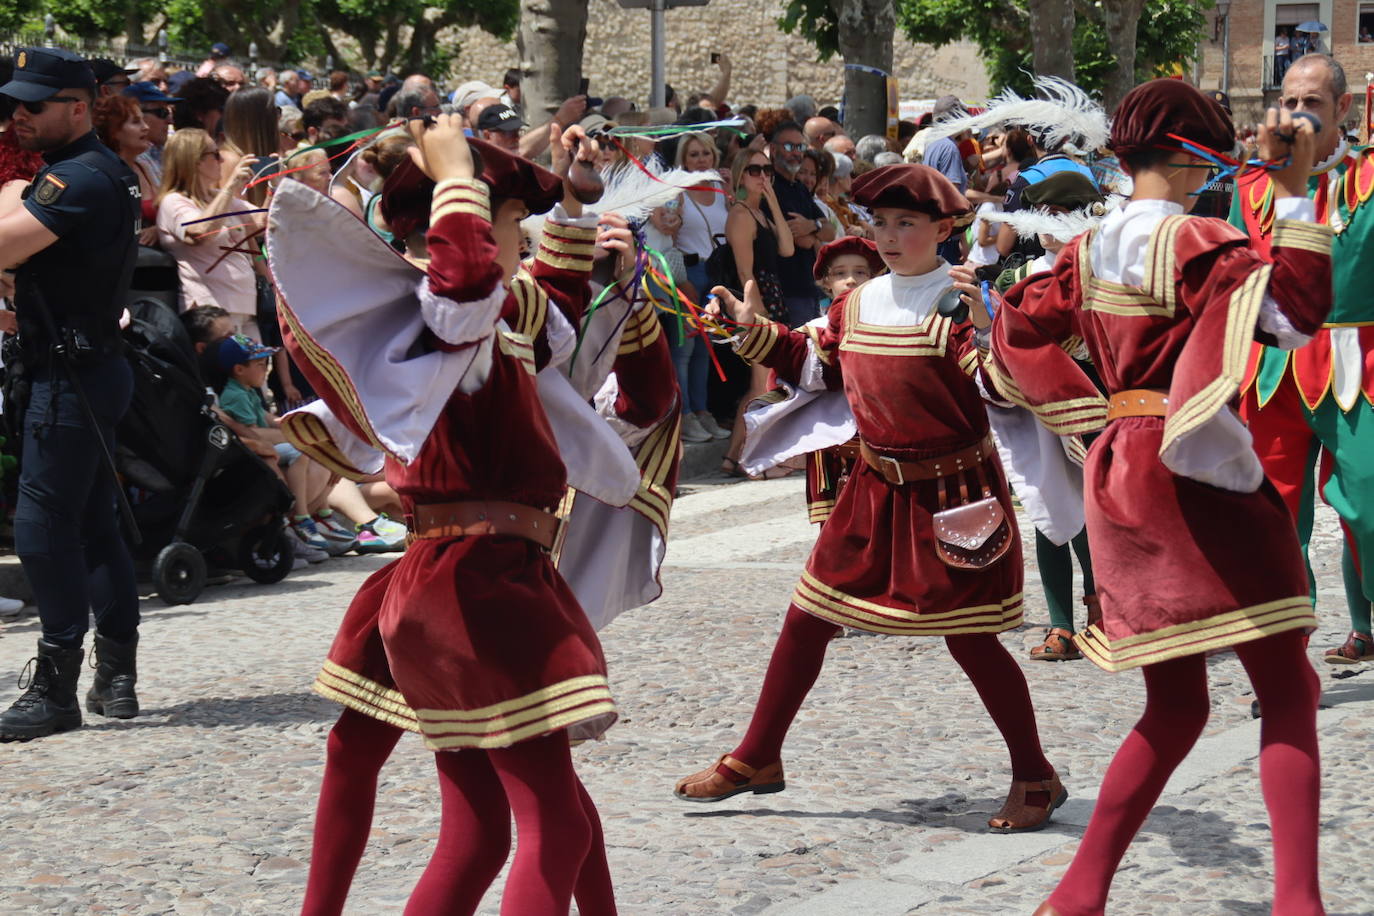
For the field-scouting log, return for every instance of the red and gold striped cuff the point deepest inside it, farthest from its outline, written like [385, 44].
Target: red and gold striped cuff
[460, 195]
[567, 247]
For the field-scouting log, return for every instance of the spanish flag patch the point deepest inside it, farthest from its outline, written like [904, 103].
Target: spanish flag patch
[49, 189]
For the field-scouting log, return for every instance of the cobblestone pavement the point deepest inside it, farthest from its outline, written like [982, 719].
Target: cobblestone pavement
[204, 804]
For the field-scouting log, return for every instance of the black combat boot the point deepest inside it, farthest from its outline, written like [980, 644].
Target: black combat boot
[48, 705]
[116, 672]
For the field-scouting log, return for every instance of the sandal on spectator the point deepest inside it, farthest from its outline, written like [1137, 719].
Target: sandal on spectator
[1057, 647]
[730, 777]
[1358, 647]
[730, 467]
[1094, 606]
[1022, 813]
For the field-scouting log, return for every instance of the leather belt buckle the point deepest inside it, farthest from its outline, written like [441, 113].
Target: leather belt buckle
[896, 466]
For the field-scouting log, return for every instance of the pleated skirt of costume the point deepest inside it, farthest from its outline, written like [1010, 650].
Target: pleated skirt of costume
[474, 643]
[874, 566]
[1183, 567]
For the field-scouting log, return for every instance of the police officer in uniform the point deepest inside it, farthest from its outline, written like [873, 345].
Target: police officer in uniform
[70, 247]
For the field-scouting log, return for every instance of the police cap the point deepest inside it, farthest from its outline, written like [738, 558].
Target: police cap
[40, 73]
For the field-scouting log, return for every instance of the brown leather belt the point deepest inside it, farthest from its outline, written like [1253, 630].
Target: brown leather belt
[1137, 402]
[463, 519]
[849, 451]
[896, 471]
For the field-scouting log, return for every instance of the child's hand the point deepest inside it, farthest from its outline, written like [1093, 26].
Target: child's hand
[741, 312]
[1282, 136]
[441, 150]
[971, 293]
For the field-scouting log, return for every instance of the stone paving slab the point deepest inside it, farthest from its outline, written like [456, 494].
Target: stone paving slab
[204, 805]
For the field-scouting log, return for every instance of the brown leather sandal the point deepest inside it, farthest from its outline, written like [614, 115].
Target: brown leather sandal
[730, 777]
[1057, 647]
[1018, 817]
[1358, 647]
[1094, 606]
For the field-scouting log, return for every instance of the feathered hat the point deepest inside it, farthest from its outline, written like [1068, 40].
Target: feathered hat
[1062, 206]
[1062, 117]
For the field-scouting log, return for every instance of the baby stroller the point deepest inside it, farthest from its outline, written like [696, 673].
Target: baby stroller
[200, 496]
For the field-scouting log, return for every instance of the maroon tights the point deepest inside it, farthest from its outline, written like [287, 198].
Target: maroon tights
[1176, 709]
[559, 852]
[797, 660]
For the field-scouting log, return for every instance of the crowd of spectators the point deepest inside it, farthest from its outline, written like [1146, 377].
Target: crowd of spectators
[773, 188]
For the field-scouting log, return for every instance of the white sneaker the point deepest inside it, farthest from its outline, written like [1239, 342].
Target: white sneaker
[299, 562]
[692, 430]
[10, 608]
[709, 424]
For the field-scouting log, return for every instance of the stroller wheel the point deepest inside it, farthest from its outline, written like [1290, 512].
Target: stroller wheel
[179, 573]
[266, 554]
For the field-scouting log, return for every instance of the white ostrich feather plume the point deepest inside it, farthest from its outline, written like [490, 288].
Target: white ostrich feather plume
[1063, 227]
[1063, 114]
[633, 194]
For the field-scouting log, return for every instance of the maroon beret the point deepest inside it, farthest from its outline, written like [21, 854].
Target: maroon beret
[407, 191]
[1152, 111]
[910, 187]
[509, 175]
[406, 195]
[847, 244]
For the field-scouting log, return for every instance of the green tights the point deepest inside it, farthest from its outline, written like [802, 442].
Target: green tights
[1056, 576]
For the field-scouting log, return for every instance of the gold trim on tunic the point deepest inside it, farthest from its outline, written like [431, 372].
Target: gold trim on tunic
[1220, 631]
[827, 603]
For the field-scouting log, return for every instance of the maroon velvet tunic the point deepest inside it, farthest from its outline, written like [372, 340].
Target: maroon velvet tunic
[1181, 566]
[913, 394]
[475, 642]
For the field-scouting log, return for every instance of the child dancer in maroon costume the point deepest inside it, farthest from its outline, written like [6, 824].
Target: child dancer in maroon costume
[879, 564]
[471, 638]
[1193, 549]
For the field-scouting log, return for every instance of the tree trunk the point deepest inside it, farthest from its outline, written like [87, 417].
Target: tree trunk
[1120, 17]
[550, 41]
[865, 37]
[1051, 29]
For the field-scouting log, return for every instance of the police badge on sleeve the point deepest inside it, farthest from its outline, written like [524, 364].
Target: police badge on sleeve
[49, 189]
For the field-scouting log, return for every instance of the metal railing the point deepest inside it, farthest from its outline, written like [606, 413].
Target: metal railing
[116, 50]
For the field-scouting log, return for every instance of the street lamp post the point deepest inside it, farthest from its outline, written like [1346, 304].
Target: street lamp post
[49, 27]
[1224, 14]
[253, 60]
[162, 46]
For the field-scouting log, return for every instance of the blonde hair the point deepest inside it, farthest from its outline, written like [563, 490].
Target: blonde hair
[181, 165]
[740, 164]
[702, 137]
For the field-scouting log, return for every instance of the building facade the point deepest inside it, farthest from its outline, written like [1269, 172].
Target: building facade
[1259, 30]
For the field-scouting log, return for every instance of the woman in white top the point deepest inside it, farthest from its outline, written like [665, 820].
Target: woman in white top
[209, 275]
[702, 229]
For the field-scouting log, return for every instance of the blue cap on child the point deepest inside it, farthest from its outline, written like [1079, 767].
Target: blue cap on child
[237, 349]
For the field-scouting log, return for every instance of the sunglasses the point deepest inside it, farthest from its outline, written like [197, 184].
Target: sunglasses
[791, 147]
[754, 171]
[38, 107]
[213, 153]
[160, 113]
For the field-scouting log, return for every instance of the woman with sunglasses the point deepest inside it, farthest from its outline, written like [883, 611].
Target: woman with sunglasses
[757, 233]
[191, 191]
[250, 129]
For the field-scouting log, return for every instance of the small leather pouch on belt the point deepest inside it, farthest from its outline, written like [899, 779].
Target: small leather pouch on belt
[463, 519]
[971, 535]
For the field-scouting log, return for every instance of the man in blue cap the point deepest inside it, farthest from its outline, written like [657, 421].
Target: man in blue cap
[71, 248]
[156, 106]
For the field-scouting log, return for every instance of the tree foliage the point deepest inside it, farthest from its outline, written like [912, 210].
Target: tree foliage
[1167, 35]
[366, 34]
[816, 21]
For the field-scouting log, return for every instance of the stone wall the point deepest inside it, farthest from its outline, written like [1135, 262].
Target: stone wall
[769, 66]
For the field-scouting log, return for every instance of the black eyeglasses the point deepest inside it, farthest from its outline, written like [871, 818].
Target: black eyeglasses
[162, 113]
[754, 171]
[37, 107]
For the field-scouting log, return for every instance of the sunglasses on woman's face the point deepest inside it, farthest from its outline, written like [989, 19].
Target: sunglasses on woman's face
[38, 107]
[754, 171]
[213, 154]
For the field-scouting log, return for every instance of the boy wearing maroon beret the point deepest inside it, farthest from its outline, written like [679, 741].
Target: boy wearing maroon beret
[922, 540]
[1193, 549]
[472, 638]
